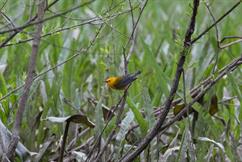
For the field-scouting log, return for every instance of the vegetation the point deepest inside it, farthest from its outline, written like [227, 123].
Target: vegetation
[55, 57]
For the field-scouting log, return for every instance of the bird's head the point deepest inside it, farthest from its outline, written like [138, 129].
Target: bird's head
[112, 81]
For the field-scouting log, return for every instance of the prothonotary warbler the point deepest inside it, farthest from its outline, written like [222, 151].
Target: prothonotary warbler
[121, 82]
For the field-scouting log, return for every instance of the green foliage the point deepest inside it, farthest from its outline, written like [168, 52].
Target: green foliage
[143, 124]
[158, 42]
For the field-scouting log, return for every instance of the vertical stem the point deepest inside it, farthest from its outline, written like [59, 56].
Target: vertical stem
[28, 82]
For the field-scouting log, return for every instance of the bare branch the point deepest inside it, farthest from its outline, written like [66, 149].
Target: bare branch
[155, 130]
[56, 66]
[85, 22]
[29, 80]
[118, 120]
[216, 22]
[135, 25]
[47, 19]
[16, 32]
[226, 70]
[31, 69]
[121, 109]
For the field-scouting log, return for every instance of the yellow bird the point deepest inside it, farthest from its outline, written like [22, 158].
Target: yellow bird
[121, 82]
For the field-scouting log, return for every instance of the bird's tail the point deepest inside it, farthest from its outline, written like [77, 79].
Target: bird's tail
[136, 74]
[128, 79]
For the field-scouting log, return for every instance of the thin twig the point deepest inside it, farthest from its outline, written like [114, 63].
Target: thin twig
[216, 22]
[132, 14]
[20, 29]
[50, 5]
[123, 99]
[131, 49]
[193, 93]
[81, 19]
[74, 140]
[85, 22]
[48, 18]
[8, 19]
[118, 120]
[16, 32]
[28, 81]
[217, 38]
[57, 65]
[196, 96]
[64, 141]
[98, 139]
[135, 25]
[231, 43]
[4, 3]
[155, 130]
[31, 69]
[126, 62]
[219, 42]
[226, 70]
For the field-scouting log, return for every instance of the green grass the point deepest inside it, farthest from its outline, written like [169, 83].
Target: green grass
[160, 34]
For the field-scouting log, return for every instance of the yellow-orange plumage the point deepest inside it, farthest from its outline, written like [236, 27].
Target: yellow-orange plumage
[121, 82]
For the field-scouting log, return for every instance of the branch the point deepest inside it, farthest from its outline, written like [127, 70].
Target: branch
[57, 65]
[155, 130]
[216, 22]
[47, 19]
[16, 32]
[98, 139]
[28, 82]
[219, 42]
[123, 98]
[226, 70]
[19, 30]
[196, 94]
[135, 25]
[118, 120]
[85, 22]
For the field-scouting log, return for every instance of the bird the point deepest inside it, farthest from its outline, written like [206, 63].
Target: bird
[121, 82]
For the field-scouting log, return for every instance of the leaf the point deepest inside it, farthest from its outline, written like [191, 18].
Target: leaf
[43, 92]
[98, 117]
[144, 126]
[6, 135]
[78, 118]
[213, 109]
[80, 156]
[169, 152]
[57, 119]
[3, 87]
[107, 112]
[212, 141]
[124, 126]
[178, 108]
[2, 68]
[44, 148]
[148, 109]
